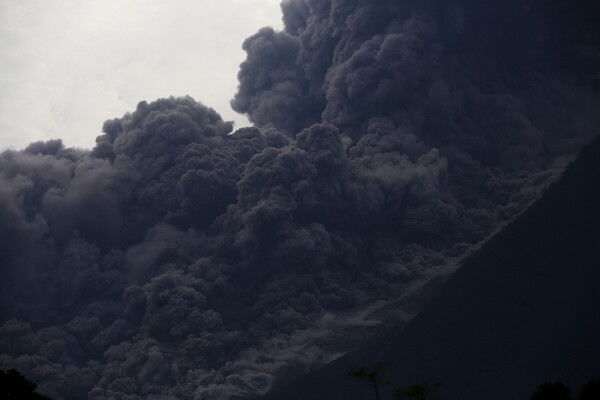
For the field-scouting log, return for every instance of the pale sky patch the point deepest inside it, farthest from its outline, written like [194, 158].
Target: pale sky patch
[69, 65]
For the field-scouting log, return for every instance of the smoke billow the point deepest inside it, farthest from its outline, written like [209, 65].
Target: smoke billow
[179, 259]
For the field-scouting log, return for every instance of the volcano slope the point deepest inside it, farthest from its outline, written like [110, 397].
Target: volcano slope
[521, 311]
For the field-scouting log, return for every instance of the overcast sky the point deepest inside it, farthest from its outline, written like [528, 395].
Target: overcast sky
[69, 65]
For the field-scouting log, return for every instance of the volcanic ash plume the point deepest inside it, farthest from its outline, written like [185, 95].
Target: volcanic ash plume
[179, 259]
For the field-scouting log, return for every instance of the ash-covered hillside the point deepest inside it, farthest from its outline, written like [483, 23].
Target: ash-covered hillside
[179, 259]
[521, 311]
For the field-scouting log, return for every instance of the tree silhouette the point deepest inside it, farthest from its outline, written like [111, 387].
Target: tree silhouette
[551, 391]
[14, 386]
[590, 391]
[373, 375]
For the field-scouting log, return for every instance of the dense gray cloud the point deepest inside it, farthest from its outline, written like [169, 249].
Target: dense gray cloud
[508, 84]
[179, 259]
[271, 83]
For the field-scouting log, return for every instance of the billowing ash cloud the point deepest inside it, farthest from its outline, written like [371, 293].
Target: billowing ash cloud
[509, 84]
[179, 259]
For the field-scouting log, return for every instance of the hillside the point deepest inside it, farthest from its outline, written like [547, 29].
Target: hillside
[521, 311]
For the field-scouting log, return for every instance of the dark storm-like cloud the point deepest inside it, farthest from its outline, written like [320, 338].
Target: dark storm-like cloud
[273, 83]
[179, 259]
[509, 84]
[168, 276]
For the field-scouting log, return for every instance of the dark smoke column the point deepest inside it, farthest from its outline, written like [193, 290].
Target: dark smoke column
[509, 84]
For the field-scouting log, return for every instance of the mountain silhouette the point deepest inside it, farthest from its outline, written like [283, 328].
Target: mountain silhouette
[524, 309]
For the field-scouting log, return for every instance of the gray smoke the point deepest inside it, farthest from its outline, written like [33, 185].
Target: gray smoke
[510, 84]
[179, 259]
